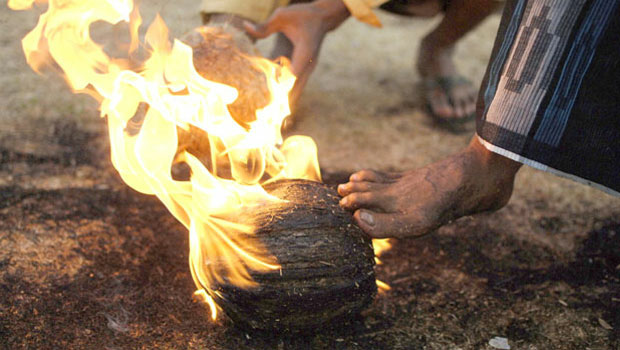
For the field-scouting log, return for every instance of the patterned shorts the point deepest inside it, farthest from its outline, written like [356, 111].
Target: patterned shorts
[551, 94]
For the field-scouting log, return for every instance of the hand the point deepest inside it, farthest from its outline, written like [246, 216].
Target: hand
[305, 25]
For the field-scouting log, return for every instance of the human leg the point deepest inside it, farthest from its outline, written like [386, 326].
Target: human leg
[450, 97]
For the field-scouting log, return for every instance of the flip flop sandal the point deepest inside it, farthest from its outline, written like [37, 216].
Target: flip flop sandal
[446, 84]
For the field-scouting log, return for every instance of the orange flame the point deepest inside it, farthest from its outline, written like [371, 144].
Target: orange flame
[177, 97]
[380, 246]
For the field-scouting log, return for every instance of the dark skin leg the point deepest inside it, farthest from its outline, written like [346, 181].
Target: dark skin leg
[416, 202]
[435, 57]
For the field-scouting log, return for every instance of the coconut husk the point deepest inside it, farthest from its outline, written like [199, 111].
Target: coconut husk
[326, 263]
[224, 54]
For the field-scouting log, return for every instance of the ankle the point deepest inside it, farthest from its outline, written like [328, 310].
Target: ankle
[435, 45]
[492, 176]
[434, 59]
[494, 164]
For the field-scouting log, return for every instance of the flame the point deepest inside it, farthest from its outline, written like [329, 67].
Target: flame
[178, 98]
[380, 246]
[207, 299]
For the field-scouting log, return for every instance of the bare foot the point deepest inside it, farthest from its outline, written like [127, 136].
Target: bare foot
[450, 97]
[416, 202]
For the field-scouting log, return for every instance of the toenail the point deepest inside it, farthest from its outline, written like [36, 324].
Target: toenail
[341, 187]
[367, 218]
[344, 201]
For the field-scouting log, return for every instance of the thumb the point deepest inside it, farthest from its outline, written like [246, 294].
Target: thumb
[275, 23]
[262, 30]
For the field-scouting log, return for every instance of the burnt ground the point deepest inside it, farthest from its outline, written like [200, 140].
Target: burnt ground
[102, 267]
[87, 263]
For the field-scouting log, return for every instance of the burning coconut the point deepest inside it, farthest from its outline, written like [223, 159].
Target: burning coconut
[272, 252]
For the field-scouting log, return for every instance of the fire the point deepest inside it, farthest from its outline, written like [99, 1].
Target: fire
[177, 97]
[380, 246]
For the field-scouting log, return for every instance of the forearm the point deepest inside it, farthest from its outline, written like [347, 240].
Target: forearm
[332, 12]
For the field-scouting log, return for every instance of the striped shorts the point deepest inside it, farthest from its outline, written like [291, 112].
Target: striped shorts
[551, 94]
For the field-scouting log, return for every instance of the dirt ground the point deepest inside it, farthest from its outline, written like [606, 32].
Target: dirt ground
[87, 263]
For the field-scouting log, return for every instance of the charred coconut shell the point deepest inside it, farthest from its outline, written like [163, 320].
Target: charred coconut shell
[327, 263]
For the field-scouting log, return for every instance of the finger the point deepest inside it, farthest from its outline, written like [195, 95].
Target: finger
[257, 31]
[351, 187]
[264, 29]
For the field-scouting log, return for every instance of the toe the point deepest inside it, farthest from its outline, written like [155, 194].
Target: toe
[358, 200]
[470, 107]
[460, 100]
[465, 99]
[376, 225]
[363, 186]
[440, 105]
[391, 225]
[373, 176]
[471, 103]
[459, 109]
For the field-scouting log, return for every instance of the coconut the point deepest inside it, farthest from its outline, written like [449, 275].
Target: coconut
[326, 262]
